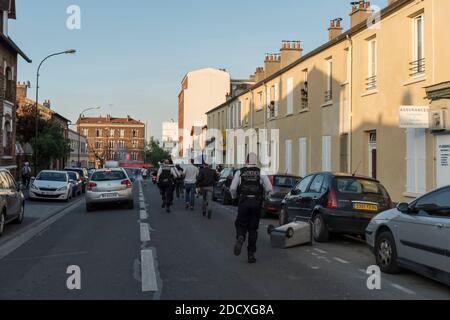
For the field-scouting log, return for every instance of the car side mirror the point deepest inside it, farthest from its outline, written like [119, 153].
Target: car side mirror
[294, 192]
[404, 208]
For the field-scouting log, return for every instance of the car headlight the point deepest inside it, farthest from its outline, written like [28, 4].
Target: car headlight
[33, 187]
[63, 189]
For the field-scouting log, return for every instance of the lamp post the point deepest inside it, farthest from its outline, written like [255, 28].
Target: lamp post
[71, 51]
[79, 132]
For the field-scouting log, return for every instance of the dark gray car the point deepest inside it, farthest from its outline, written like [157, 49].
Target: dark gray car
[12, 201]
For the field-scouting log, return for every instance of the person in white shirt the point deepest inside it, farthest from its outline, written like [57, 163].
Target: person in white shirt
[190, 180]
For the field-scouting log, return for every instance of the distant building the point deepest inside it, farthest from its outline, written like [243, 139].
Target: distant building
[8, 79]
[113, 139]
[78, 150]
[169, 140]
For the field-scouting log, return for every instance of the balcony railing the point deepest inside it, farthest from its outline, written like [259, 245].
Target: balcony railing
[417, 67]
[304, 102]
[371, 83]
[328, 95]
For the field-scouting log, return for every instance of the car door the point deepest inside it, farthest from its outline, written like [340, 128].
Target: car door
[11, 195]
[294, 201]
[424, 234]
[312, 196]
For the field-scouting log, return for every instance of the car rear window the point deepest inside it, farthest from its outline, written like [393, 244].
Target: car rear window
[52, 176]
[285, 182]
[360, 186]
[108, 176]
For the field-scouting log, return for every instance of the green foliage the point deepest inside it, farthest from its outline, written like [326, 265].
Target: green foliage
[155, 154]
[52, 144]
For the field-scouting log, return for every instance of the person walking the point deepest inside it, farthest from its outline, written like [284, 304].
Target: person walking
[167, 174]
[179, 182]
[144, 173]
[191, 173]
[206, 180]
[249, 186]
[26, 175]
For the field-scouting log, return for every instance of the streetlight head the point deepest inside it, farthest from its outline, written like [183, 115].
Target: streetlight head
[71, 51]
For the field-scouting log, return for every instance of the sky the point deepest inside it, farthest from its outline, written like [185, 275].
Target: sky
[132, 55]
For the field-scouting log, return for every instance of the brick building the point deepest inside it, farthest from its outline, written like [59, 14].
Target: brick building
[116, 139]
[8, 78]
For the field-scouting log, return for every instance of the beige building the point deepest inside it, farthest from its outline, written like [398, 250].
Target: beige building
[337, 108]
[200, 90]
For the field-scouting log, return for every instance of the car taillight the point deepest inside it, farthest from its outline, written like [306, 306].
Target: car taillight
[391, 204]
[127, 183]
[332, 200]
[91, 185]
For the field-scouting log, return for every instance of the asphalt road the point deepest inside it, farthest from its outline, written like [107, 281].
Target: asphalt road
[147, 253]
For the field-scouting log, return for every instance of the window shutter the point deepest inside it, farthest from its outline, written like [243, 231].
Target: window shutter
[290, 96]
[302, 158]
[421, 161]
[288, 155]
[277, 98]
[326, 153]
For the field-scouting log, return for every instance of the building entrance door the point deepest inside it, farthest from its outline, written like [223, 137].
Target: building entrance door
[372, 165]
[443, 160]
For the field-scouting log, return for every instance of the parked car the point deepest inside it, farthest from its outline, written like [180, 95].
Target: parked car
[222, 188]
[109, 186]
[77, 183]
[84, 174]
[282, 185]
[336, 203]
[414, 236]
[12, 201]
[51, 185]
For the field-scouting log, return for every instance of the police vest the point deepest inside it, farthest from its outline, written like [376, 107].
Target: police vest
[251, 186]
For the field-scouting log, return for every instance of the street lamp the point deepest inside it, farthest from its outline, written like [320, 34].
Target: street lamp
[71, 51]
[79, 131]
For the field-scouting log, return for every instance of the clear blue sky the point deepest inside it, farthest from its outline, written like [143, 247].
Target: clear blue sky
[132, 55]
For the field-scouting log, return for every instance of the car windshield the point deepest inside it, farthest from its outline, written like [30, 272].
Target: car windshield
[359, 186]
[52, 176]
[72, 175]
[285, 182]
[108, 176]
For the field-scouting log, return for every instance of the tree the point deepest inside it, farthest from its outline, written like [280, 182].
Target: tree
[155, 154]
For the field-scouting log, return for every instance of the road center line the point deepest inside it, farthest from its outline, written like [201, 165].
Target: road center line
[403, 289]
[143, 215]
[148, 273]
[341, 260]
[145, 232]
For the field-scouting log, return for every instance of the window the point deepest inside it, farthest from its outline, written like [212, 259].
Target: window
[112, 133]
[304, 90]
[326, 153]
[288, 155]
[98, 145]
[86, 132]
[290, 96]
[316, 185]
[329, 92]
[303, 185]
[111, 144]
[260, 101]
[417, 67]
[98, 133]
[273, 101]
[372, 65]
[122, 133]
[435, 204]
[303, 157]
[135, 133]
[416, 161]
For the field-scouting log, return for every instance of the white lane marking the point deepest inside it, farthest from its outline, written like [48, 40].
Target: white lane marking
[320, 251]
[315, 268]
[145, 232]
[399, 287]
[148, 273]
[143, 215]
[341, 260]
[363, 271]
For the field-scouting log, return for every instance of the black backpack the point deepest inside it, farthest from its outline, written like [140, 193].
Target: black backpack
[251, 183]
[166, 178]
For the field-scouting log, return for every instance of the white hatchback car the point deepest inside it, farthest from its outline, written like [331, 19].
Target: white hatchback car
[51, 185]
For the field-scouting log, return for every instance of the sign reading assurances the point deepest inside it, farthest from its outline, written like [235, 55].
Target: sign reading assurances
[414, 117]
[443, 160]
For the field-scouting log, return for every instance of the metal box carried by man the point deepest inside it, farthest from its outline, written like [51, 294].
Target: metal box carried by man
[291, 235]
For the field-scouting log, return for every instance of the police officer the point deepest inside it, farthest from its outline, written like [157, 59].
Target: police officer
[249, 185]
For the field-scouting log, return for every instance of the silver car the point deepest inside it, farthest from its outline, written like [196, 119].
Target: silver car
[12, 201]
[51, 185]
[109, 186]
[414, 236]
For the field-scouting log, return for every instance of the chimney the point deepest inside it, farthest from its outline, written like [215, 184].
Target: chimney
[361, 11]
[47, 104]
[21, 91]
[335, 29]
[260, 74]
[272, 64]
[291, 51]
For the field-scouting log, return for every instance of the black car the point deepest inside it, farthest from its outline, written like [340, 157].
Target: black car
[222, 189]
[84, 174]
[282, 185]
[336, 203]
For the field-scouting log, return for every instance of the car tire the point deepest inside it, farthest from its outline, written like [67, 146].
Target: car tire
[320, 230]
[283, 217]
[386, 253]
[19, 219]
[130, 205]
[2, 223]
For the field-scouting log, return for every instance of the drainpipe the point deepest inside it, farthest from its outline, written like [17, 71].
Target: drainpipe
[350, 135]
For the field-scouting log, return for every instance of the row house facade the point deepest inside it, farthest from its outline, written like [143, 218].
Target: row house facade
[9, 53]
[337, 108]
[113, 139]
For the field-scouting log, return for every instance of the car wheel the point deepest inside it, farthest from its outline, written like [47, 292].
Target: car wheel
[2, 223]
[320, 230]
[130, 205]
[283, 217]
[19, 219]
[386, 253]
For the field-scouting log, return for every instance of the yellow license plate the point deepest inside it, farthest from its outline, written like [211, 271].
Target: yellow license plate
[365, 207]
